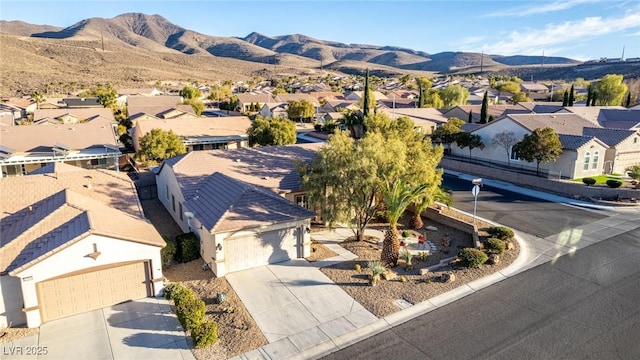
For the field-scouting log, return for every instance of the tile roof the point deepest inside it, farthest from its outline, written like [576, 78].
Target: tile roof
[619, 118]
[562, 123]
[42, 215]
[199, 127]
[166, 101]
[271, 167]
[161, 112]
[574, 142]
[296, 97]
[80, 113]
[611, 137]
[35, 138]
[226, 204]
[590, 113]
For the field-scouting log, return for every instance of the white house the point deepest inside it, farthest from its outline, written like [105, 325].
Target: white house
[73, 240]
[246, 205]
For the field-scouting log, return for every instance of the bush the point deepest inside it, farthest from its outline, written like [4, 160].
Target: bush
[473, 258]
[205, 334]
[405, 234]
[589, 181]
[190, 312]
[317, 127]
[188, 248]
[177, 292]
[500, 232]
[168, 253]
[614, 183]
[495, 245]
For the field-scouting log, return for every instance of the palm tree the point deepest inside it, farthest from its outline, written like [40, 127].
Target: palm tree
[634, 173]
[434, 194]
[396, 195]
[38, 98]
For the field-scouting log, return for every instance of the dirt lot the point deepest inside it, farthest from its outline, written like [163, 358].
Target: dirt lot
[417, 288]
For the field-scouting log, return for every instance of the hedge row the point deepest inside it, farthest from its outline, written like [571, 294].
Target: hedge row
[191, 311]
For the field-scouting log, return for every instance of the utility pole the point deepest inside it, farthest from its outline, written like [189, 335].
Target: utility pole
[482, 61]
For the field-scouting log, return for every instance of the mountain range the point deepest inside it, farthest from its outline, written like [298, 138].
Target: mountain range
[149, 47]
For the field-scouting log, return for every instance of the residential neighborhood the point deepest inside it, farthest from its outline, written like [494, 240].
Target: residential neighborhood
[109, 202]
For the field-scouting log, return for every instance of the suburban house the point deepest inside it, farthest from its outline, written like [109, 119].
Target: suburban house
[591, 113]
[25, 105]
[124, 94]
[274, 110]
[161, 107]
[201, 133]
[585, 149]
[396, 102]
[425, 119]
[326, 95]
[73, 240]
[338, 105]
[80, 103]
[358, 95]
[26, 148]
[535, 91]
[297, 97]
[246, 205]
[497, 111]
[246, 101]
[72, 116]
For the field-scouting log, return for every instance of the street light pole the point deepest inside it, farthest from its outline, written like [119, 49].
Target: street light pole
[475, 191]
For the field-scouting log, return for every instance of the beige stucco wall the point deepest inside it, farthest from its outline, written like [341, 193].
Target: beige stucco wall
[166, 181]
[493, 152]
[627, 154]
[74, 258]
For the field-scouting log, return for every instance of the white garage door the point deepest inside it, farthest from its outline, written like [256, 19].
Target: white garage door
[97, 288]
[265, 248]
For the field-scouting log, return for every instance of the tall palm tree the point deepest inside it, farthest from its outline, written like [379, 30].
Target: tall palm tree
[38, 98]
[434, 194]
[397, 196]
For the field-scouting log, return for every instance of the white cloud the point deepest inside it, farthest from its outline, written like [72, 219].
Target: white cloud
[555, 37]
[540, 8]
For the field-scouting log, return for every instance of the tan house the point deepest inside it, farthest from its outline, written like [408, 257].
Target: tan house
[496, 111]
[583, 154]
[297, 97]
[425, 119]
[274, 110]
[24, 149]
[205, 133]
[246, 101]
[245, 205]
[72, 116]
[162, 107]
[73, 240]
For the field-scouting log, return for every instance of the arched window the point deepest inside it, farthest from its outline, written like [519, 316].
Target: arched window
[587, 159]
[594, 161]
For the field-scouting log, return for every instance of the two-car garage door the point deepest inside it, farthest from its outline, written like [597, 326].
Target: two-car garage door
[261, 249]
[93, 289]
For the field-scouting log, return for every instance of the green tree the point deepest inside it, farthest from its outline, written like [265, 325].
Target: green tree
[432, 99]
[520, 97]
[454, 95]
[505, 139]
[196, 104]
[433, 194]
[397, 196]
[218, 92]
[367, 95]
[589, 94]
[159, 145]
[610, 90]
[300, 110]
[472, 141]
[508, 86]
[405, 79]
[484, 110]
[190, 92]
[572, 95]
[447, 132]
[627, 102]
[106, 95]
[38, 98]
[269, 132]
[634, 173]
[542, 145]
[565, 98]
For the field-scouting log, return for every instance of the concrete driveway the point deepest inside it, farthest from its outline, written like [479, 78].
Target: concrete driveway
[141, 329]
[296, 306]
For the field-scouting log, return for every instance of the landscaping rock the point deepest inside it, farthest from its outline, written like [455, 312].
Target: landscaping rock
[424, 271]
[389, 275]
[448, 278]
[432, 228]
[494, 259]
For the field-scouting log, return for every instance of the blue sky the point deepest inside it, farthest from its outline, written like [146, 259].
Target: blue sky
[578, 29]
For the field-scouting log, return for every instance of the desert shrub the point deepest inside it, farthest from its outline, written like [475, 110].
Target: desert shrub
[190, 312]
[589, 181]
[407, 256]
[406, 233]
[473, 258]
[614, 183]
[168, 253]
[330, 127]
[205, 334]
[500, 232]
[188, 247]
[317, 127]
[495, 245]
[357, 267]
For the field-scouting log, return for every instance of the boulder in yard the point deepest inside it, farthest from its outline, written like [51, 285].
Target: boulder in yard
[389, 275]
[493, 259]
[424, 271]
[432, 228]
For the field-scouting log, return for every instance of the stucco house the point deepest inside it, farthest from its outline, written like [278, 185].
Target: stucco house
[246, 205]
[72, 116]
[274, 110]
[496, 111]
[584, 153]
[425, 119]
[201, 133]
[246, 101]
[162, 107]
[24, 149]
[73, 240]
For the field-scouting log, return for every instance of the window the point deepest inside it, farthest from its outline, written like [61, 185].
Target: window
[173, 203]
[301, 200]
[594, 161]
[512, 155]
[218, 146]
[96, 162]
[166, 191]
[198, 147]
[587, 159]
[180, 207]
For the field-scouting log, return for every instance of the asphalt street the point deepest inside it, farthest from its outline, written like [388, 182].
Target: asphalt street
[524, 213]
[583, 306]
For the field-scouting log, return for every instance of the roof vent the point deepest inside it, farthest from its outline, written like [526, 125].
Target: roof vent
[237, 160]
